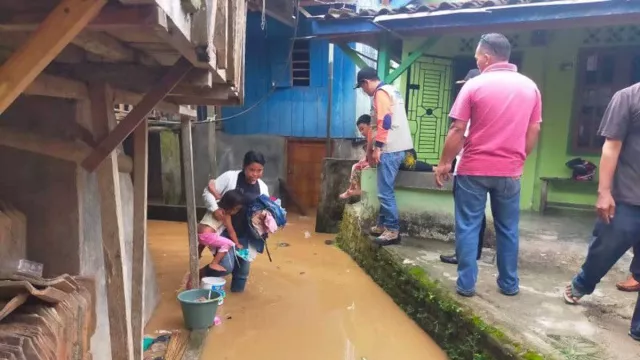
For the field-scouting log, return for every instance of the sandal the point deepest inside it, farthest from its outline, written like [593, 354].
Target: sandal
[569, 295]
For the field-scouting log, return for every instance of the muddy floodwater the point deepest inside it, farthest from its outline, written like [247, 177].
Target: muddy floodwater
[312, 302]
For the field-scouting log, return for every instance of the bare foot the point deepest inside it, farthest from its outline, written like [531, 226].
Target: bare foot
[347, 194]
[217, 267]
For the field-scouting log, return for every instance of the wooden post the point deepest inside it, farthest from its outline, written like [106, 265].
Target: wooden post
[140, 173]
[544, 193]
[138, 114]
[383, 57]
[409, 60]
[113, 247]
[190, 193]
[329, 102]
[56, 31]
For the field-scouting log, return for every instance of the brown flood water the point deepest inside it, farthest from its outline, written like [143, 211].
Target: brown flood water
[313, 303]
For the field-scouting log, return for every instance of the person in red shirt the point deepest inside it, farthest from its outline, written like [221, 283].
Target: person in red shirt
[504, 109]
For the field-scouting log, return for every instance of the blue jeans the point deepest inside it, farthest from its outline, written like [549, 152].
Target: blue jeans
[608, 243]
[237, 267]
[387, 171]
[634, 268]
[470, 205]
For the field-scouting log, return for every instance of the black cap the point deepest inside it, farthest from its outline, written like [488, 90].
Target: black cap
[367, 73]
[470, 75]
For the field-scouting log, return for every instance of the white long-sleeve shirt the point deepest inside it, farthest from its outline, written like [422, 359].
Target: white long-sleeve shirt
[225, 182]
[466, 134]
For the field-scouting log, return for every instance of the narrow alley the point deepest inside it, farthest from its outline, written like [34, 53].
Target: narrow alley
[312, 302]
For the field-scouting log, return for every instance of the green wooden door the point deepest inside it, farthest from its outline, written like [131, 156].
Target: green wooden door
[428, 104]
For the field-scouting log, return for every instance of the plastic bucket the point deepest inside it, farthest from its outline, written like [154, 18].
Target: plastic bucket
[214, 284]
[197, 314]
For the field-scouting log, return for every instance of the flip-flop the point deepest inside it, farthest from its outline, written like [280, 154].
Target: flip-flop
[568, 296]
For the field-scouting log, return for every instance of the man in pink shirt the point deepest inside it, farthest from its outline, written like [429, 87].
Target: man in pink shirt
[505, 111]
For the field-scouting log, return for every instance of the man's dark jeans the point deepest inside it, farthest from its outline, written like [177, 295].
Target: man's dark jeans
[634, 269]
[608, 244]
[483, 227]
[387, 172]
[470, 205]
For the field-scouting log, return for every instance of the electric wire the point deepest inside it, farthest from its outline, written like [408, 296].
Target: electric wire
[273, 84]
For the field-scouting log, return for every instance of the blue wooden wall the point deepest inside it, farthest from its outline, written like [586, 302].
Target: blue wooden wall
[292, 110]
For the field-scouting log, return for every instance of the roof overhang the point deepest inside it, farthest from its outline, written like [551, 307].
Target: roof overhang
[528, 16]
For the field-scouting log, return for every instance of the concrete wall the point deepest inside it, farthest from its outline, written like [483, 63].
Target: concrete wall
[336, 175]
[204, 157]
[44, 189]
[425, 210]
[92, 260]
[62, 205]
[41, 187]
[170, 168]
[215, 152]
[230, 150]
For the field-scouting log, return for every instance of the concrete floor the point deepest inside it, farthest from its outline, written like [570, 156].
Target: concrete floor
[552, 249]
[313, 302]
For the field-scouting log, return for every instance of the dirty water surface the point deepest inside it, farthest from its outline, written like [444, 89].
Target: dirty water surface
[312, 302]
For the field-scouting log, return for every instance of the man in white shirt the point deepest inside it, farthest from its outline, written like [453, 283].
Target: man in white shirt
[452, 259]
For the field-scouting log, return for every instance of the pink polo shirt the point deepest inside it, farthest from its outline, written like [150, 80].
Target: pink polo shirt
[500, 103]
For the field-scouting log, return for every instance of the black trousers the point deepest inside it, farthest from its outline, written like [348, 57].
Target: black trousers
[483, 227]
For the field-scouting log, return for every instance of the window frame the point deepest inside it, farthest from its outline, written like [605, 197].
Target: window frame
[624, 57]
[293, 62]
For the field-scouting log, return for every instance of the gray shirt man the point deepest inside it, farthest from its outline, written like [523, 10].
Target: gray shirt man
[621, 121]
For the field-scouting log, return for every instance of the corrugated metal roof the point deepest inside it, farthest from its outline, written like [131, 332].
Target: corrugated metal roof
[419, 7]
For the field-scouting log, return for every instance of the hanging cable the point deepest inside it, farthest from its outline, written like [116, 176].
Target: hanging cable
[263, 16]
[273, 84]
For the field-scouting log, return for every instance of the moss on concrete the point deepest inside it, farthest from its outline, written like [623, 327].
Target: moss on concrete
[460, 333]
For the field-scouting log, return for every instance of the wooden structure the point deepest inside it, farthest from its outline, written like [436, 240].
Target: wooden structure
[545, 182]
[148, 54]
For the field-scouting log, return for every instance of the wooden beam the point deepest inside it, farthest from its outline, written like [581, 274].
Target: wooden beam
[190, 192]
[220, 33]
[132, 77]
[72, 151]
[383, 62]
[105, 46]
[113, 246]
[178, 35]
[132, 98]
[57, 30]
[138, 114]
[353, 55]
[56, 86]
[215, 92]
[192, 100]
[141, 170]
[112, 17]
[236, 40]
[409, 60]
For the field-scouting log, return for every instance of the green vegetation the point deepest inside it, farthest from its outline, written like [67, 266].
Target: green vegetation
[460, 333]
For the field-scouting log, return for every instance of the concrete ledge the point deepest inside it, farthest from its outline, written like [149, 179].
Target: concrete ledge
[462, 334]
[426, 211]
[420, 181]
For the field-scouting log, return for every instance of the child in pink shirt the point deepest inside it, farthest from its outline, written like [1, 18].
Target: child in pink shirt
[210, 228]
[364, 126]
